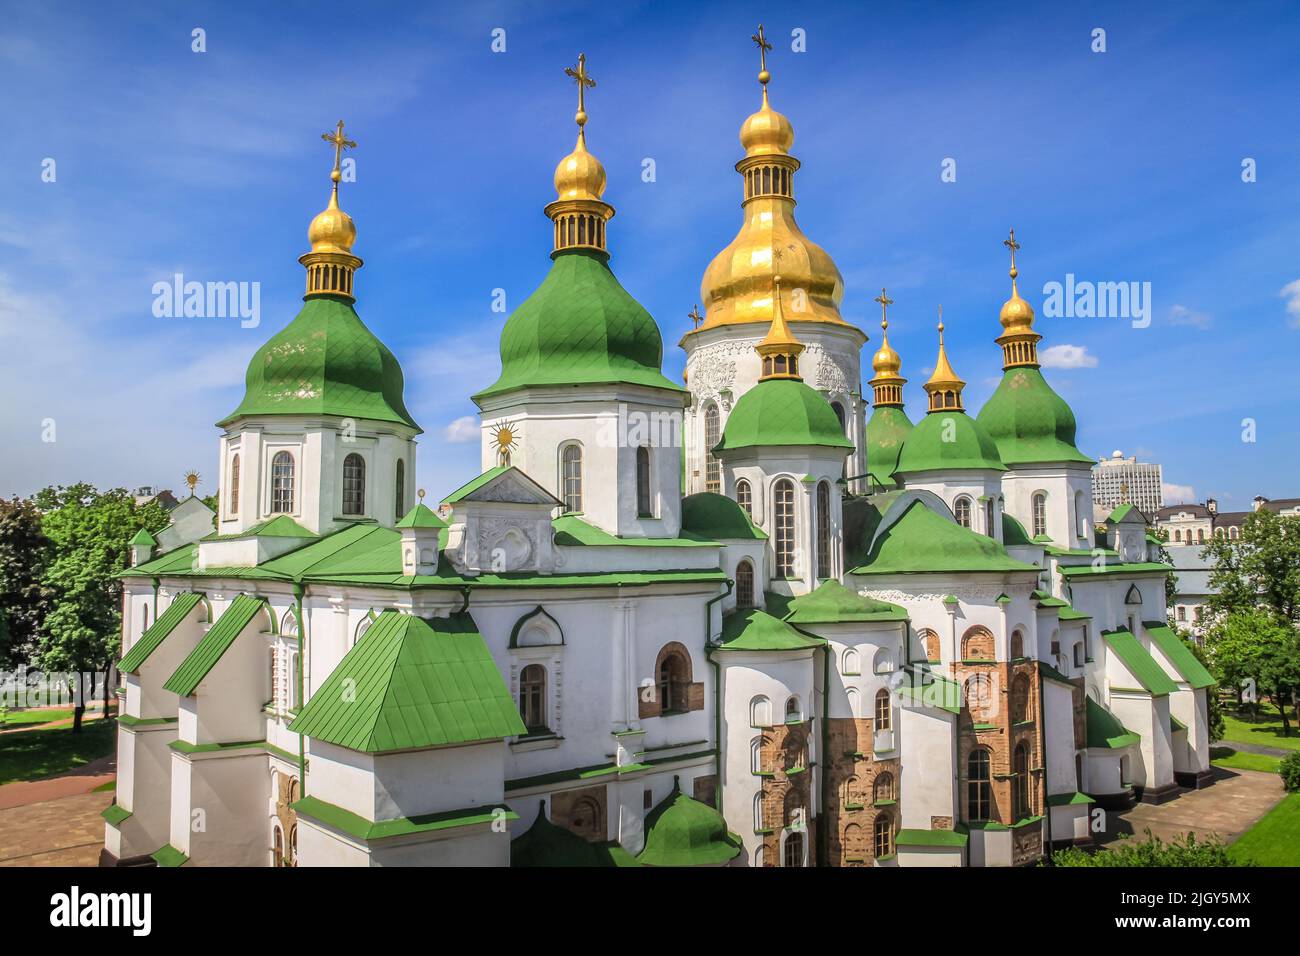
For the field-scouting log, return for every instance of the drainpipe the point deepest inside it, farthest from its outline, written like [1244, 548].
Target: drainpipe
[717, 693]
[155, 600]
[464, 593]
[823, 832]
[1042, 730]
[298, 590]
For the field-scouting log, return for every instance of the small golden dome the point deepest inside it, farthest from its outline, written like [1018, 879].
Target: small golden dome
[332, 230]
[886, 361]
[1016, 314]
[944, 376]
[580, 175]
[767, 132]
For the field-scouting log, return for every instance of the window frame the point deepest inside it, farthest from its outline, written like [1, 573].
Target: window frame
[283, 482]
[571, 485]
[784, 527]
[354, 485]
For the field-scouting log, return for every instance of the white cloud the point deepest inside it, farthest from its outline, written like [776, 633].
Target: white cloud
[1291, 292]
[463, 429]
[1182, 315]
[1067, 356]
[1177, 494]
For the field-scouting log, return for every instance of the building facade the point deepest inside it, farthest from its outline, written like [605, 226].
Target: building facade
[1118, 480]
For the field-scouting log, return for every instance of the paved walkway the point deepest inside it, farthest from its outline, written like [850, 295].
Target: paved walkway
[82, 780]
[65, 832]
[1228, 808]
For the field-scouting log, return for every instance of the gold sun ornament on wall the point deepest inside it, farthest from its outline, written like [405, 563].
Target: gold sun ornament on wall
[192, 479]
[505, 439]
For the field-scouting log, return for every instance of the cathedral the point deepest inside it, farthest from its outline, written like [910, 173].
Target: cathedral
[756, 618]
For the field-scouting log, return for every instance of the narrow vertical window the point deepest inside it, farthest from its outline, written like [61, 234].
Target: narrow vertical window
[824, 530]
[399, 490]
[643, 482]
[988, 519]
[571, 477]
[962, 512]
[234, 485]
[884, 832]
[1021, 769]
[1040, 514]
[745, 497]
[979, 789]
[282, 483]
[744, 584]
[532, 698]
[712, 471]
[354, 485]
[884, 710]
[783, 515]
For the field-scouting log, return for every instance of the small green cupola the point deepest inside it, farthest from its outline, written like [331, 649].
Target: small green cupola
[682, 831]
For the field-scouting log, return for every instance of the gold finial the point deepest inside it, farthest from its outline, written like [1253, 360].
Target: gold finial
[421, 494]
[340, 144]
[945, 385]
[1019, 341]
[885, 302]
[888, 384]
[694, 316]
[331, 266]
[779, 350]
[585, 82]
[1011, 244]
[763, 46]
[192, 478]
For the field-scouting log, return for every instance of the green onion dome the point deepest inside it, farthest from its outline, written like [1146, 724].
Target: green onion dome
[682, 831]
[325, 362]
[1029, 422]
[782, 411]
[887, 429]
[580, 327]
[948, 441]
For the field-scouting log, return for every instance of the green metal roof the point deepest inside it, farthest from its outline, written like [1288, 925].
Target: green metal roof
[579, 327]
[421, 516]
[149, 641]
[682, 831]
[1139, 662]
[782, 411]
[1029, 422]
[1104, 729]
[411, 683]
[948, 440]
[1087, 570]
[214, 645]
[545, 844]
[1122, 512]
[887, 429]
[475, 484]
[716, 516]
[355, 825]
[751, 629]
[1048, 672]
[572, 532]
[144, 537]
[325, 362]
[1075, 799]
[832, 602]
[943, 838]
[1179, 654]
[939, 692]
[923, 541]
[1013, 532]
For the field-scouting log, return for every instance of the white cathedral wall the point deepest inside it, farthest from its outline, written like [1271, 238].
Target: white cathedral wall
[218, 807]
[928, 738]
[1058, 723]
[1069, 502]
[977, 486]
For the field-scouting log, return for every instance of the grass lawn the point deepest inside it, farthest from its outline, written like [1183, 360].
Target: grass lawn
[1267, 730]
[32, 754]
[16, 718]
[105, 787]
[1275, 839]
[1234, 760]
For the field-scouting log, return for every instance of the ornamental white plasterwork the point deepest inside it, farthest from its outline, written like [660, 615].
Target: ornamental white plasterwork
[492, 535]
[831, 374]
[968, 594]
[713, 367]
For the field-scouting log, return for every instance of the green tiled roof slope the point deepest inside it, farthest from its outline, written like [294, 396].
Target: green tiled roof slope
[887, 429]
[1139, 662]
[948, 441]
[421, 516]
[715, 516]
[923, 541]
[215, 643]
[1030, 422]
[832, 603]
[149, 641]
[545, 844]
[411, 683]
[782, 411]
[572, 532]
[579, 327]
[325, 362]
[1179, 654]
[754, 630]
[1104, 728]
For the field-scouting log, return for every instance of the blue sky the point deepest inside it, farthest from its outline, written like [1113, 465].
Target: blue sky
[1115, 166]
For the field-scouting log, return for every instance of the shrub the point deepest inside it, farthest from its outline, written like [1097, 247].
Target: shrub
[1290, 771]
[1181, 851]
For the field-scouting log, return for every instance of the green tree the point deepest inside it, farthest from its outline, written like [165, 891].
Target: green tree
[1258, 645]
[24, 598]
[89, 533]
[1180, 851]
[1171, 579]
[1262, 567]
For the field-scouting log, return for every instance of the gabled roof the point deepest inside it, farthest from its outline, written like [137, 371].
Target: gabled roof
[1179, 654]
[412, 683]
[149, 641]
[833, 603]
[1126, 512]
[924, 541]
[754, 630]
[214, 645]
[1104, 729]
[144, 537]
[1139, 662]
[421, 516]
[513, 487]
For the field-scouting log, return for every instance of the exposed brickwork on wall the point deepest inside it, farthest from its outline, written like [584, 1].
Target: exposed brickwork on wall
[977, 645]
[851, 783]
[706, 789]
[787, 794]
[1026, 844]
[941, 823]
[287, 792]
[687, 694]
[583, 811]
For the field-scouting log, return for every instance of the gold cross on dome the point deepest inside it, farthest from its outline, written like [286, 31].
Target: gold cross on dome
[694, 316]
[340, 144]
[763, 47]
[885, 302]
[1013, 246]
[584, 81]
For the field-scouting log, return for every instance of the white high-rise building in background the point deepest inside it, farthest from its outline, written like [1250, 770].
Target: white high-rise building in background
[1118, 480]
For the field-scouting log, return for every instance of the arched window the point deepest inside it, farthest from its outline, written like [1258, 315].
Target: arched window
[354, 485]
[1200, 536]
[849, 795]
[824, 530]
[930, 641]
[234, 485]
[532, 698]
[1218, 532]
[744, 584]
[1178, 536]
[1020, 699]
[1232, 533]
[277, 846]
[979, 693]
[1182, 613]
[758, 818]
[674, 678]
[989, 529]
[961, 511]
[793, 849]
[571, 477]
[756, 755]
[855, 706]
[884, 830]
[884, 710]
[977, 645]
[851, 663]
[1017, 645]
[979, 786]
[793, 713]
[760, 712]
[883, 788]
[643, 508]
[745, 497]
[712, 478]
[1020, 767]
[399, 497]
[273, 662]
[783, 519]
[1080, 515]
[282, 483]
[144, 619]
[1040, 513]
[293, 845]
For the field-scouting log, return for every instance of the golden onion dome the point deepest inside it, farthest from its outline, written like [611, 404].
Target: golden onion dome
[767, 132]
[1016, 314]
[580, 175]
[332, 230]
[943, 376]
[886, 361]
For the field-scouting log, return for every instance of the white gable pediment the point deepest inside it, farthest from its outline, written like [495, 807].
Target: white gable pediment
[512, 486]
